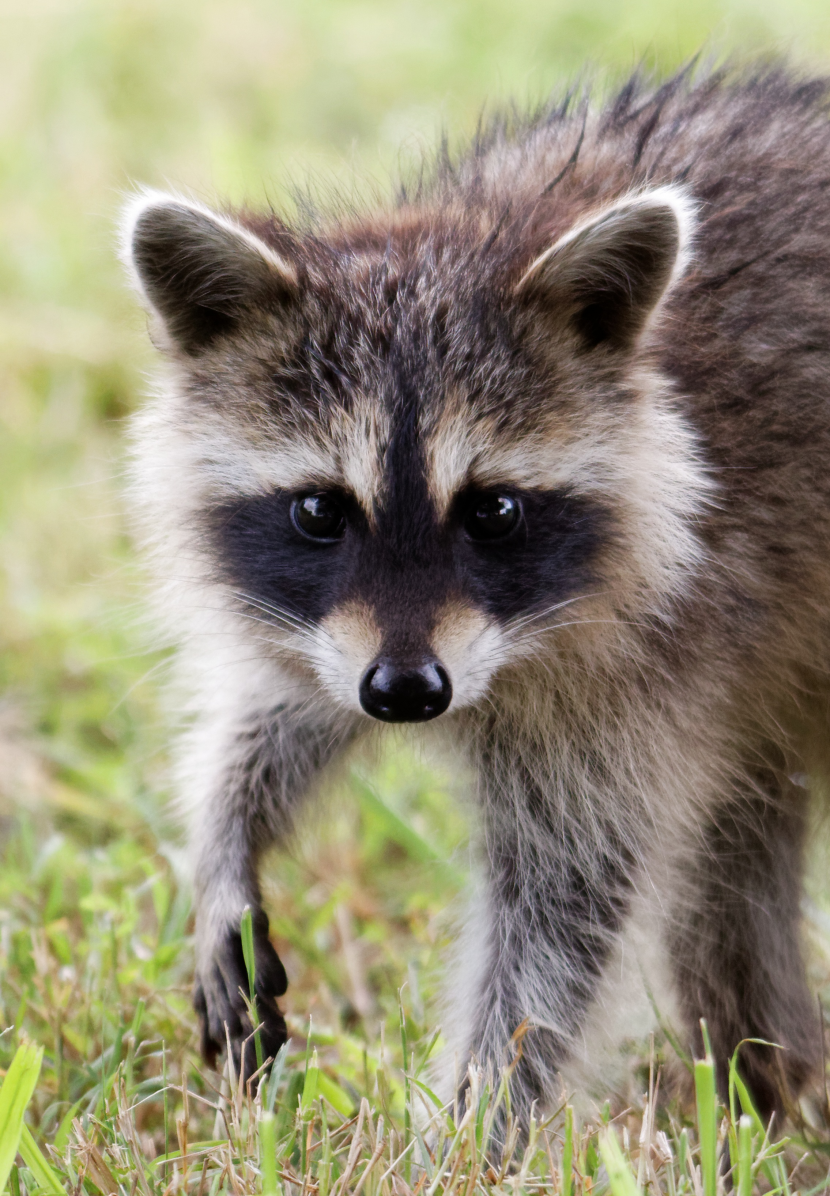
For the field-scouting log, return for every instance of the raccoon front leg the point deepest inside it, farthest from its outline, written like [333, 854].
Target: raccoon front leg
[218, 999]
[253, 777]
[556, 900]
[737, 944]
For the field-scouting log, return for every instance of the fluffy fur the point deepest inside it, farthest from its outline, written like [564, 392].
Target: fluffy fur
[611, 324]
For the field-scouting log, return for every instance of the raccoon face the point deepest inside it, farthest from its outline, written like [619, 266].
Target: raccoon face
[410, 600]
[402, 457]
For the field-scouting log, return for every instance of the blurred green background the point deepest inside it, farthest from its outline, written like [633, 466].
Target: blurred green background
[235, 101]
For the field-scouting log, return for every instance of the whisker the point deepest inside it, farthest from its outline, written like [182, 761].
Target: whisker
[536, 616]
[274, 623]
[519, 622]
[158, 667]
[580, 623]
[267, 609]
[274, 616]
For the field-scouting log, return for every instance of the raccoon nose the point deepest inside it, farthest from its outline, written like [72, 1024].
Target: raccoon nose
[410, 693]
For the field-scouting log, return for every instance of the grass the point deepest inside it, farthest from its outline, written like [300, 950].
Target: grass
[103, 1090]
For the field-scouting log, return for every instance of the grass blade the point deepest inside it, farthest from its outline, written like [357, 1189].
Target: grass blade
[312, 1077]
[268, 1154]
[407, 1094]
[707, 1117]
[246, 930]
[400, 832]
[568, 1152]
[334, 1094]
[47, 1178]
[277, 1070]
[15, 1095]
[620, 1177]
[745, 1156]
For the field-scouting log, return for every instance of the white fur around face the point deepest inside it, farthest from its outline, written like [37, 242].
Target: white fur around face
[346, 644]
[642, 463]
[470, 646]
[639, 460]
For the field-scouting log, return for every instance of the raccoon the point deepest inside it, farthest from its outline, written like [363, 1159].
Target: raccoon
[539, 454]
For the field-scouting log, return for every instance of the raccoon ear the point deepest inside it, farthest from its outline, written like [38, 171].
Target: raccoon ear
[200, 272]
[605, 277]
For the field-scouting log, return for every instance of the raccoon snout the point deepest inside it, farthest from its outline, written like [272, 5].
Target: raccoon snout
[410, 693]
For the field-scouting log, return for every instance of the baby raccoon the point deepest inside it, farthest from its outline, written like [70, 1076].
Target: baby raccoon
[540, 451]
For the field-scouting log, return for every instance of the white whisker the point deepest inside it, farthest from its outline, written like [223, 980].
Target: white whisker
[519, 622]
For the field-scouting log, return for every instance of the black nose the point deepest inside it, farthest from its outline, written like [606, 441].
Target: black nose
[410, 693]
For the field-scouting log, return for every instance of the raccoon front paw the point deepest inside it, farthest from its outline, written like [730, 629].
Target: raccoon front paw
[219, 1002]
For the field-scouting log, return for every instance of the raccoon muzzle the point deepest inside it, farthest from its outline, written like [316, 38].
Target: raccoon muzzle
[410, 693]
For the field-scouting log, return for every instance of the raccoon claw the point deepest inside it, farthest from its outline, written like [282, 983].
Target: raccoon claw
[222, 1010]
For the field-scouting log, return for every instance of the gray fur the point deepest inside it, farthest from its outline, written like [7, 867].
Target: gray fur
[622, 316]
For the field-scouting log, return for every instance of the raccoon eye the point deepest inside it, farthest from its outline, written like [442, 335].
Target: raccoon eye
[318, 517]
[492, 517]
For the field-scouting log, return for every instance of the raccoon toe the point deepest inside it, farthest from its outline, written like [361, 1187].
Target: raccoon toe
[220, 1001]
[272, 1035]
[208, 1048]
[218, 1018]
[272, 1030]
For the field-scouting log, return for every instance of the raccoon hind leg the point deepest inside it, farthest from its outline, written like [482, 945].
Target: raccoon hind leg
[736, 948]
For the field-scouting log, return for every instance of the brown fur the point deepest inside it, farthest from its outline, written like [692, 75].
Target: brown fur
[634, 742]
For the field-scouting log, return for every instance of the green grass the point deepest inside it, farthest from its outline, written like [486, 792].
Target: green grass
[246, 101]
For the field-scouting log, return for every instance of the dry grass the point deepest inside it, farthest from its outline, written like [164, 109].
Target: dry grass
[239, 99]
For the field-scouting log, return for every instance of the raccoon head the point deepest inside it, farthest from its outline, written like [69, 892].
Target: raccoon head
[406, 448]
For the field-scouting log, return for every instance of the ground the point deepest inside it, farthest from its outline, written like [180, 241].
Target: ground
[250, 101]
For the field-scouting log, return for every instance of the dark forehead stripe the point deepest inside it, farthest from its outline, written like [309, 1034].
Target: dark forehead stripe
[407, 514]
[407, 569]
[407, 563]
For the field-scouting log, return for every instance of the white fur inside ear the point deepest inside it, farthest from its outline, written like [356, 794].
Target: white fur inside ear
[602, 282]
[146, 199]
[609, 221]
[201, 274]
